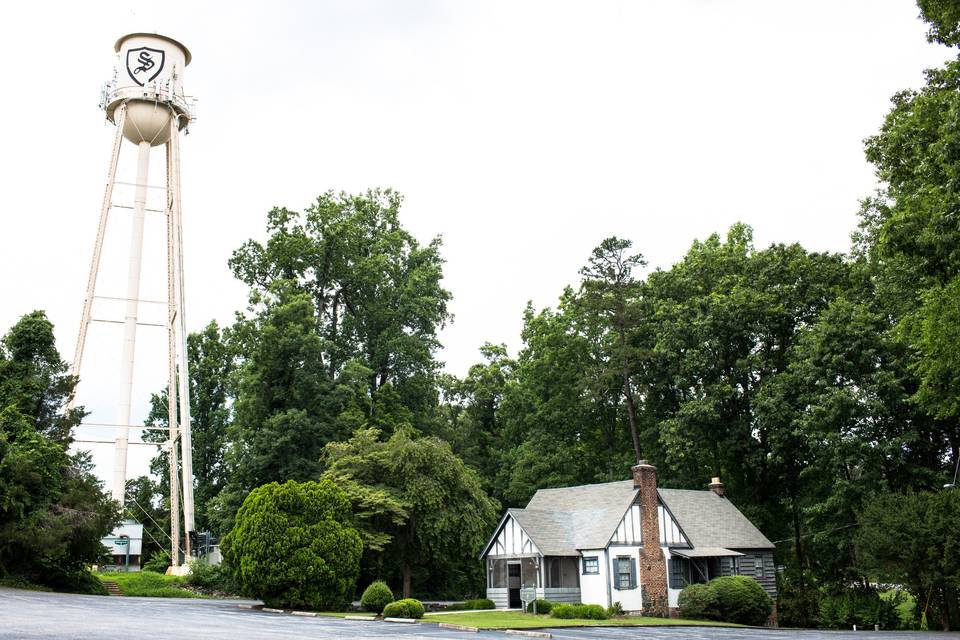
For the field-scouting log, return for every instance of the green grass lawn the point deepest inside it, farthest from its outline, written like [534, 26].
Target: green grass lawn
[148, 583]
[518, 620]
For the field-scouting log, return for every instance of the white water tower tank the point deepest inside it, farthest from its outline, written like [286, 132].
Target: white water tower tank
[149, 79]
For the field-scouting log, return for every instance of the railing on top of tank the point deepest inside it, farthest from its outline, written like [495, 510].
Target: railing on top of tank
[109, 94]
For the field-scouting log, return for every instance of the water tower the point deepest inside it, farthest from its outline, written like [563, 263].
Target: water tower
[146, 102]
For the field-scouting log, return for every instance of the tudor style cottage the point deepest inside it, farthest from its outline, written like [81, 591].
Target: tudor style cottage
[626, 542]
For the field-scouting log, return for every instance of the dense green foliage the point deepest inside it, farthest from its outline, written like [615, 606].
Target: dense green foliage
[292, 545]
[405, 608]
[217, 579]
[376, 596]
[579, 611]
[422, 510]
[699, 602]
[863, 607]
[913, 540]
[52, 509]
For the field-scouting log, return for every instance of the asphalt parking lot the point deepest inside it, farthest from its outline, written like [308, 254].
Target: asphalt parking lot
[28, 614]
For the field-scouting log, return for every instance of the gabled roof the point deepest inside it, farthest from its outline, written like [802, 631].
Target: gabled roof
[712, 521]
[563, 521]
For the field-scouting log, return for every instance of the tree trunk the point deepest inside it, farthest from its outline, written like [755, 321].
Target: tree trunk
[407, 574]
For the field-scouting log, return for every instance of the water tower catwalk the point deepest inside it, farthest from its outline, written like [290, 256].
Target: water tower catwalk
[145, 101]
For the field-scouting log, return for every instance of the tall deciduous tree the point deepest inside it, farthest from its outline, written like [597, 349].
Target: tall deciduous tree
[53, 511]
[375, 289]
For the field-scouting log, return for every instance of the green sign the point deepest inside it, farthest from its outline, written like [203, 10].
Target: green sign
[121, 542]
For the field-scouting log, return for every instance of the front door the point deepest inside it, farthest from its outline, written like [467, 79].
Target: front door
[513, 584]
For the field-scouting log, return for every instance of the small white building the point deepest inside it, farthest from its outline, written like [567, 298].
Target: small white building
[626, 542]
[125, 545]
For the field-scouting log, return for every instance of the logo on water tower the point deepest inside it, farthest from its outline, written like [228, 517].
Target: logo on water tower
[144, 64]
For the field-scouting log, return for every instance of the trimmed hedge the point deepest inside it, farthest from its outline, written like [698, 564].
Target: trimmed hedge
[579, 611]
[376, 596]
[479, 603]
[543, 606]
[406, 608]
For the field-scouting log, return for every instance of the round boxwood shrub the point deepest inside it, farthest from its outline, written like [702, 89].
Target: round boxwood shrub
[698, 602]
[376, 596]
[741, 599]
[406, 608]
[293, 545]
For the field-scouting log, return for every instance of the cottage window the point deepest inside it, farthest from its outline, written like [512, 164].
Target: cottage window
[591, 565]
[625, 573]
[758, 566]
[679, 572]
[561, 572]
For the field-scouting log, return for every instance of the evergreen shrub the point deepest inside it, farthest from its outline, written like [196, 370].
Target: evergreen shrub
[699, 602]
[742, 600]
[858, 606]
[406, 608]
[376, 596]
[543, 606]
[293, 546]
[579, 611]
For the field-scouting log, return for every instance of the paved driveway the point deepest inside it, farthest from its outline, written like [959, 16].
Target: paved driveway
[27, 614]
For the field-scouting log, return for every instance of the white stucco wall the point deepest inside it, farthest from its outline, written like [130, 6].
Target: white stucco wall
[629, 599]
[593, 587]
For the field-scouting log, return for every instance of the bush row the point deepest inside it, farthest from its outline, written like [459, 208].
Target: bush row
[579, 611]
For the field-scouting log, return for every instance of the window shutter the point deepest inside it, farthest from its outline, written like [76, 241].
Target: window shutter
[613, 575]
[633, 573]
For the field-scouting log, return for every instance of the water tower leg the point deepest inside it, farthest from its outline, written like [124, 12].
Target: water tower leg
[130, 322]
[97, 250]
[186, 441]
[172, 374]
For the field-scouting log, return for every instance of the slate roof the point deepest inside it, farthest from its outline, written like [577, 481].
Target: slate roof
[563, 521]
[711, 521]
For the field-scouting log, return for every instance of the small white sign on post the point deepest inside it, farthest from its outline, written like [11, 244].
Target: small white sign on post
[528, 595]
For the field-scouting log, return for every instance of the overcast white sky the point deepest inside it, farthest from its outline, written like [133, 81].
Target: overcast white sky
[522, 132]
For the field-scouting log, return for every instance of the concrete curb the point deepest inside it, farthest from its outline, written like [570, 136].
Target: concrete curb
[250, 606]
[268, 609]
[529, 634]
[404, 620]
[457, 627]
[308, 614]
[371, 618]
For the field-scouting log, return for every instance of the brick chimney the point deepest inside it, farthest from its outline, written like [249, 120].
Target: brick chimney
[653, 566]
[717, 487]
